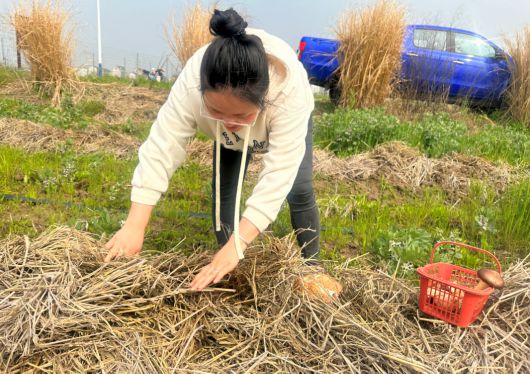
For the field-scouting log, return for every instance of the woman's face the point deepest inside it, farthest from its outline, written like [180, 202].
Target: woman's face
[233, 111]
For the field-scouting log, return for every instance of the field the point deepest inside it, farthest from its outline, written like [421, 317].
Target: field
[390, 183]
[397, 177]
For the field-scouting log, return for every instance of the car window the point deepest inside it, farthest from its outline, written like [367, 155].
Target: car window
[472, 45]
[430, 39]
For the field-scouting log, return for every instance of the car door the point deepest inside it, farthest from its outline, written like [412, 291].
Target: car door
[426, 68]
[480, 69]
[319, 58]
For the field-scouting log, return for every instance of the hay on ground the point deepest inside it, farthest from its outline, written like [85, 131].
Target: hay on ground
[62, 310]
[126, 103]
[401, 166]
[32, 137]
[407, 168]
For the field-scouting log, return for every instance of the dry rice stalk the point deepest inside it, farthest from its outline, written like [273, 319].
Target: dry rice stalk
[33, 137]
[193, 33]
[400, 165]
[407, 168]
[63, 310]
[369, 52]
[47, 46]
[124, 103]
[519, 90]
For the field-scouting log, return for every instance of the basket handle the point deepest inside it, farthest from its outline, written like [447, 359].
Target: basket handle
[468, 247]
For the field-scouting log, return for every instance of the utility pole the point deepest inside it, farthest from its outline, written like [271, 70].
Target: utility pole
[3, 53]
[100, 61]
[19, 56]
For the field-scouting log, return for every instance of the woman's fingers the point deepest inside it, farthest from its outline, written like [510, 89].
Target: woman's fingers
[206, 276]
[110, 243]
[115, 252]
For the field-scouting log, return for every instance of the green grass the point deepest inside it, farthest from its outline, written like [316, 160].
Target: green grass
[347, 132]
[67, 116]
[138, 82]
[8, 75]
[92, 192]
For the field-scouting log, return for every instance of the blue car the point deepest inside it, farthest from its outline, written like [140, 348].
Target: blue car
[458, 63]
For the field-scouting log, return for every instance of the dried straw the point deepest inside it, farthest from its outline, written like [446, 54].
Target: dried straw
[401, 166]
[369, 52]
[519, 90]
[32, 137]
[406, 168]
[48, 47]
[193, 33]
[62, 310]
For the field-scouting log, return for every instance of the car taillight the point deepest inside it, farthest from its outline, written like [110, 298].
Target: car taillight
[301, 48]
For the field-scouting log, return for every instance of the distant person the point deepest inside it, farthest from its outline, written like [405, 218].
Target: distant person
[247, 91]
[152, 74]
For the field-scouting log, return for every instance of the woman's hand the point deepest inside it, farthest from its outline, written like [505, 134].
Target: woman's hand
[127, 241]
[222, 263]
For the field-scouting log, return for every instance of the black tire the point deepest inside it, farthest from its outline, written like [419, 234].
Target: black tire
[334, 93]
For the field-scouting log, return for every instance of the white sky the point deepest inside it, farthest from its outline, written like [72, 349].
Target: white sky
[135, 28]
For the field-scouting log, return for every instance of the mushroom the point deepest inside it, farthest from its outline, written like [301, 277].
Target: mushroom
[489, 278]
[444, 297]
[319, 286]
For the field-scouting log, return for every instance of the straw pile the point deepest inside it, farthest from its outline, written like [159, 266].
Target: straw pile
[407, 168]
[62, 310]
[519, 90]
[193, 32]
[369, 53]
[124, 103]
[47, 46]
[401, 166]
[32, 137]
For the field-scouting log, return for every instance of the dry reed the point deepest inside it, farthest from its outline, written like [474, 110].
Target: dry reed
[47, 45]
[32, 137]
[401, 166]
[63, 310]
[193, 32]
[369, 52]
[519, 91]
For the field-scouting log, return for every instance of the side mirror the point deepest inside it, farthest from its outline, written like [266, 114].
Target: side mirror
[500, 55]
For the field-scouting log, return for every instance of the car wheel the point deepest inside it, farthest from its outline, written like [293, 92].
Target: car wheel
[334, 93]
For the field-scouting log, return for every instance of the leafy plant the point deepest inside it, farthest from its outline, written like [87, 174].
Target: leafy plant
[403, 249]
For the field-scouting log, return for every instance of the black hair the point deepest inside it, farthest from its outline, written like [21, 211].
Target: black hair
[235, 60]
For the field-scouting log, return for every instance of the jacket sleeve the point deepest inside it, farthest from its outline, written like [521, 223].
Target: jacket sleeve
[165, 148]
[288, 129]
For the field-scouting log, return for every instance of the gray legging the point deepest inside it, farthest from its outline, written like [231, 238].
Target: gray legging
[305, 217]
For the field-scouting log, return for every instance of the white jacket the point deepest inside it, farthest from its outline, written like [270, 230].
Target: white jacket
[280, 131]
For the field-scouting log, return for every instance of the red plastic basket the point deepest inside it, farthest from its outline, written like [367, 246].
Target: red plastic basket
[447, 291]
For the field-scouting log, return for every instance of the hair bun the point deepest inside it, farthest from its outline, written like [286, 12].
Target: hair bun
[227, 24]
